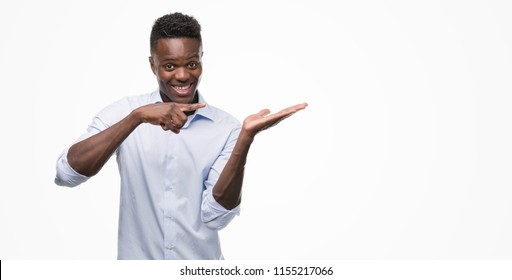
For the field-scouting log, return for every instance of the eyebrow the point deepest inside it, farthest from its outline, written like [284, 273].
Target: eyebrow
[174, 59]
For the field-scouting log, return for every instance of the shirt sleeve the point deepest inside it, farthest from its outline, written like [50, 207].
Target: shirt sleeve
[113, 113]
[214, 215]
[66, 175]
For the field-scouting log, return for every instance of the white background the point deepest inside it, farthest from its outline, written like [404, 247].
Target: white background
[403, 153]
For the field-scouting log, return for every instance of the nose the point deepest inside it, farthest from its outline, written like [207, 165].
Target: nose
[181, 74]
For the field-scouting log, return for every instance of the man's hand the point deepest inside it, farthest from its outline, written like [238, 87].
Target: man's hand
[228, 189]
[169, 115]
[264, 120]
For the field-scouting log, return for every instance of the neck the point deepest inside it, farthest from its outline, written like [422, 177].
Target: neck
[166, 98]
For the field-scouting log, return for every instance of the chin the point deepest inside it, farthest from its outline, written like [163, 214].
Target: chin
[183, 99]
[189, 98]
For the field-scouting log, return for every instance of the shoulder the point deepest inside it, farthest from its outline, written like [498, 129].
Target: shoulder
[119, 109]
[218, 116]
[221, 117]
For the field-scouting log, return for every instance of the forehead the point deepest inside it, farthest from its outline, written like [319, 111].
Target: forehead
[177, 47]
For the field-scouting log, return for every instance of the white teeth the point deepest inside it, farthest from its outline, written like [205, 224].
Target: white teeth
[182, 87]
[183, 90]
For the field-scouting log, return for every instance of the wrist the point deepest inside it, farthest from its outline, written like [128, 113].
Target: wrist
[137, 117]
[245, 137]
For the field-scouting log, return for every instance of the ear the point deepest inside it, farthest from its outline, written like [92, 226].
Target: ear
[152, 65]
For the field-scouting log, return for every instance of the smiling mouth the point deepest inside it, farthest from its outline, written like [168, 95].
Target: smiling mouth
[182, 90]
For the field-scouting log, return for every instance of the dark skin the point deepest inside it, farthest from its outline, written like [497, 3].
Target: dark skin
[176, 64]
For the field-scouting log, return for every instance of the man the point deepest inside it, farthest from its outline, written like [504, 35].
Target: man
[181, 161]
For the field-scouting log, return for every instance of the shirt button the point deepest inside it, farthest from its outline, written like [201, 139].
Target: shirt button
[169, 247]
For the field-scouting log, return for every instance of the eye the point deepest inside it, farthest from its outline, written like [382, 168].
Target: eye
[169, 67]
[192, 65]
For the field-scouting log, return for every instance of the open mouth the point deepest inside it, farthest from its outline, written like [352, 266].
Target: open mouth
[183, 90]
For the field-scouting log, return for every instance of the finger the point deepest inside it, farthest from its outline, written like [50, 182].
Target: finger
[179, 118]
[281, 115]
[263, 112]
[285, 113]
[166, 126]
[302, 105]
[294, 108]
[169, 126]
[190, 107]
[276, 120]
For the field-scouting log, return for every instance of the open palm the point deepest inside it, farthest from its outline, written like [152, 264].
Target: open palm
[264, 120]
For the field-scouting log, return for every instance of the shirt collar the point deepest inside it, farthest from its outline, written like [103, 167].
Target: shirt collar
[206, 111]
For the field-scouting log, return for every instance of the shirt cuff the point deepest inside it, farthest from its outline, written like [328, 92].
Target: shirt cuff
[214, 215]
[66, 175]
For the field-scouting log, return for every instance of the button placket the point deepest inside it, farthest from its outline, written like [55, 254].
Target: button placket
[169, 226]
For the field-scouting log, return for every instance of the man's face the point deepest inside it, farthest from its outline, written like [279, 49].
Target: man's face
[177, 65]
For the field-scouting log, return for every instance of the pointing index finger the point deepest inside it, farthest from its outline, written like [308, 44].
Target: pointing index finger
[191, 107]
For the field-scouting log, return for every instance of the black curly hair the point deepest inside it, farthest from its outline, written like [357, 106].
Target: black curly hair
[175, 25]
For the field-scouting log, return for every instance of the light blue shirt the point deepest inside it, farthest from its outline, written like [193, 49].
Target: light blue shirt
[167, 210]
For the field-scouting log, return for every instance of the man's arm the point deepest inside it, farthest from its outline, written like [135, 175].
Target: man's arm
[227, 190]
[87, 157]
